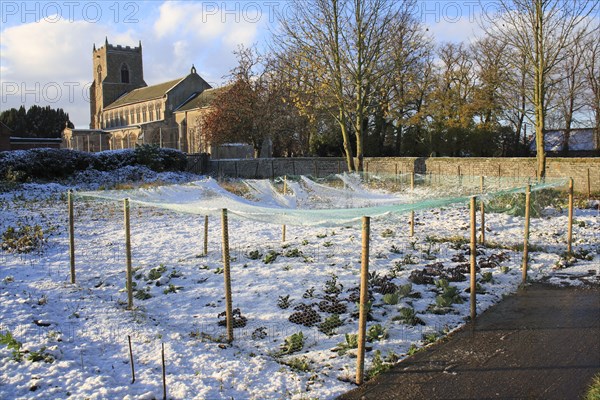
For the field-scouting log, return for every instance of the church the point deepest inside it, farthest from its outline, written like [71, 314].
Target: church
[125, 111]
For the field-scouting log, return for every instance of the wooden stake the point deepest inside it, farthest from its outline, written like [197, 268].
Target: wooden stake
[128, 255]
[131, 360]
[473, 258]
[570, 226]
[227, 276]
[526, 234]
[284, 193]
[71, 235]
[482, 238]
[164, 372]
[412, 213]
[206, 235]
[364, 299]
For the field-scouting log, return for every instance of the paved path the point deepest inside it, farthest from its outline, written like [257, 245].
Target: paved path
[542, 343]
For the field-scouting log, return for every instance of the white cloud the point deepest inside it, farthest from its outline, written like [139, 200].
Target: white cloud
[38, 57]
[50, 63]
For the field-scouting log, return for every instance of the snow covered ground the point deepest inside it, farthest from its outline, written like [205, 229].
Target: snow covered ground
[80, 332]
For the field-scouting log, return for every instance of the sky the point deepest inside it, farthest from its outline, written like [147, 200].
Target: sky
[46, 47]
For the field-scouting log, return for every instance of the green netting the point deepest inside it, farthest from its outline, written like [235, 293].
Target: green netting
[337, 200]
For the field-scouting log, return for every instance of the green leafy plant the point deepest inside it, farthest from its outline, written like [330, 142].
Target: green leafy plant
[449, 295]
[23, 239]
[376, 332]
[254, 255]
[309, 294]
[332, 286]
[387, 233]
[593, 392]
[413, 349]
[11, 343]
[328, 326]
[298, 364]
[350, 343]
[284, 302]
[408, 316]
[172, 289]
[293, 344]
[40, 355]
[270, 257]
[391, 298]
[293, 253]
[395, 249]
[156, 273]
[379, 365]
[431, 337]
[487, 277]
[404, 290]
[143, 294]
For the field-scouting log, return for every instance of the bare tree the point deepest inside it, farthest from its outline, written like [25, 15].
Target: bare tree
[591, 64]
[540, 31]
[570, 90]
[345, 40]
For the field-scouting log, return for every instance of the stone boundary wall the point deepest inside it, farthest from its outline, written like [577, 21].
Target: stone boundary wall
[577, 168]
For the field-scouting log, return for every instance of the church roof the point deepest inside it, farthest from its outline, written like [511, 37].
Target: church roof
[144, 94]
[202, 100]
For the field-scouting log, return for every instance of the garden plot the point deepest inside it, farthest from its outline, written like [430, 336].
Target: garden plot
[295, 302]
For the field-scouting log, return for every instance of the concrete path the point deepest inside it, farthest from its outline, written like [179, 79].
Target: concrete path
[541, 343]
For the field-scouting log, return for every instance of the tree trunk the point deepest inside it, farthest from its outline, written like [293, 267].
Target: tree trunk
[346, 138]
[539, 92]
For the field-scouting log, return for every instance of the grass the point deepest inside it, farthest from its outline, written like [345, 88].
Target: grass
[593, 392]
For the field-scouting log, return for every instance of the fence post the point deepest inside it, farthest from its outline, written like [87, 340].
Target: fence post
[526, 234]
[412, 213]
[284, 193]
[482, 238]
[570, 226]
[473, 258]
[164, 371]
[206, 235]
[71, 236]
[364, 299]
[128, 255]
[227, 276]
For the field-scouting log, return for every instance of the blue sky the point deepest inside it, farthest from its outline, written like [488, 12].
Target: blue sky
[46, 47]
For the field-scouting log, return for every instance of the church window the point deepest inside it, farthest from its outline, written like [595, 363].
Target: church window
[99, 75]
[124, 74]
[150, 109]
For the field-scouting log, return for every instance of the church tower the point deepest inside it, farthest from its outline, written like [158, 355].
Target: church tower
[116, 71]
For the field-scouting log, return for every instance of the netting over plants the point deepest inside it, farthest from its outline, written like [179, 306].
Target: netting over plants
[337, 200]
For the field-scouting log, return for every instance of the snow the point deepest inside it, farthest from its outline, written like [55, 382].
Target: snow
[85, 326]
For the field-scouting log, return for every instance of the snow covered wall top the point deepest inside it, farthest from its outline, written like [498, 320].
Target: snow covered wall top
[339, 200]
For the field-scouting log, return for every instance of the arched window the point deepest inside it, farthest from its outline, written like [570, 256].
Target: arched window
[124, 74]
[99, 75]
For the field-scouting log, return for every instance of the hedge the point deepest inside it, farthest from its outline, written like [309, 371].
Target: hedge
[26, 165]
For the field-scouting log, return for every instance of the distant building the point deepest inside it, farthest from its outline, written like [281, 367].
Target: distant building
[581, 142]
[124, 111]
[9, 141]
